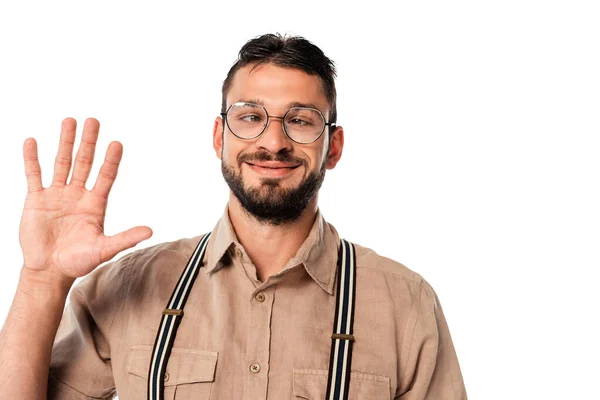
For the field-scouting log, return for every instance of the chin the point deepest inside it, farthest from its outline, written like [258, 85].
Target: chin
[287, 182]
[271, 184]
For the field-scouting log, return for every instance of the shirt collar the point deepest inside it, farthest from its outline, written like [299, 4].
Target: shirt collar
[318, 253]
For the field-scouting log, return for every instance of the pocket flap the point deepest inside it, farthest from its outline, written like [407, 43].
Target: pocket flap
[185, 365]
[312, 384]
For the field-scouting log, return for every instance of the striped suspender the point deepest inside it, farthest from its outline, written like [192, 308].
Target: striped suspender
[341, 339]
[340, 359]
[170, 321]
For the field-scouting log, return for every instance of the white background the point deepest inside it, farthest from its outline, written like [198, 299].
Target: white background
[472, 149]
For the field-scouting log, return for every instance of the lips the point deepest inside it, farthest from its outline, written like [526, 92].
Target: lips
[273, 165]
[272, 169]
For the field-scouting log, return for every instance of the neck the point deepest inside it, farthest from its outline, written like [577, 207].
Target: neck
[270, 247]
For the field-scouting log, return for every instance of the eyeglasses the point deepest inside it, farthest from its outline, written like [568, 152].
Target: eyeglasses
[301, 124]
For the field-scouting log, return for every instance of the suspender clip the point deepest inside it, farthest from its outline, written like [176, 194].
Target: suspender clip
[170, 311]
[342, 336]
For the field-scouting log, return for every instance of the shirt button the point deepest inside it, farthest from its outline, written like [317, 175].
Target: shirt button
[238, 253]
[167, 376]
[260, 297]
[255, 368]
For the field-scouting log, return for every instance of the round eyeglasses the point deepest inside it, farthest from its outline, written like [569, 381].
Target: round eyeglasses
[303, 125]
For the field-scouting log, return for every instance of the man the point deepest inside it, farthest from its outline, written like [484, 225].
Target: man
[258, 318]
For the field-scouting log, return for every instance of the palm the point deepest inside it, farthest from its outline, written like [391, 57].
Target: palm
[62, 227]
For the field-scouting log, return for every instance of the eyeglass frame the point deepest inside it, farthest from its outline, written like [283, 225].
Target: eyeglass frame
[331, 125]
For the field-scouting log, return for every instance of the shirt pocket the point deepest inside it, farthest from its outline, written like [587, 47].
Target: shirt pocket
[311, 384]
[189, 375]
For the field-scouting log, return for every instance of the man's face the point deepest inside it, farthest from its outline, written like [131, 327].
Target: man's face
[273, 177]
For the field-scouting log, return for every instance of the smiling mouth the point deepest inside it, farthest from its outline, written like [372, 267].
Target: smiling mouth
[273, 166]
[272, 169]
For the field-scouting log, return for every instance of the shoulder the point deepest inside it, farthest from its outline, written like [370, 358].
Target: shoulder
[400, 281]
[140, 265]
[369, 260]
[167, 251]
[160, 264]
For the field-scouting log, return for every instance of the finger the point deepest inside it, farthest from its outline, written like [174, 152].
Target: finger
[85, 155]
[109, 169]
[33, 172]
[124, 240]
[64, 157]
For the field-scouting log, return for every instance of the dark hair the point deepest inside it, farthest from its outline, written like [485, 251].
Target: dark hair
[286, 51]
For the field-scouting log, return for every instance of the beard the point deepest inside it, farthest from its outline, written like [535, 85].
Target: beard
[269, 203]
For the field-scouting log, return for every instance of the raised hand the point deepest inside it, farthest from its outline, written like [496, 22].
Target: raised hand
[62, 226]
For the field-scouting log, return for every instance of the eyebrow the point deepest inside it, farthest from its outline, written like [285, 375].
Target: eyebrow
[289, 105]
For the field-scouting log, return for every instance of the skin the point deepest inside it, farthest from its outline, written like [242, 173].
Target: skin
[268, 246]
[62, 226]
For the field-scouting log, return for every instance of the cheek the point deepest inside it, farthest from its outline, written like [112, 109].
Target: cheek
[319, 157]
[230, 151]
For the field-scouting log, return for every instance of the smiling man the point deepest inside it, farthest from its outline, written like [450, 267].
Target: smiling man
[270, 304]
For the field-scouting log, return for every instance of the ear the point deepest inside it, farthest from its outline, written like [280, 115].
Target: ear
[218, 136]
[336, 145]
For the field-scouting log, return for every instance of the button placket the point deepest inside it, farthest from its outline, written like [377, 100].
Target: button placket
[258, 342]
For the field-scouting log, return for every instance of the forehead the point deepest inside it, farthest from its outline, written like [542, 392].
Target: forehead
[277, 87]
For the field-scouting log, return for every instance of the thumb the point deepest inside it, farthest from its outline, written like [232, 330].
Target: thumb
[113, 245]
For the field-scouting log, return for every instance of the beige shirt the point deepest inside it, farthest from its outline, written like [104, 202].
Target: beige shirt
[245, 339]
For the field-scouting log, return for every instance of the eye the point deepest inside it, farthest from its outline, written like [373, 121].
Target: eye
[251, 118]
[299, 121]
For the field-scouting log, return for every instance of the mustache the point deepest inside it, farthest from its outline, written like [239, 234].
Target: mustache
[266, 156]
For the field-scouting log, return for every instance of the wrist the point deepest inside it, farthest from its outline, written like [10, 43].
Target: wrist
[44, 285]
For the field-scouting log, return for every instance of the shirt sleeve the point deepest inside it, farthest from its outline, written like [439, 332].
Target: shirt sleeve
[80, 365]
[432, 371]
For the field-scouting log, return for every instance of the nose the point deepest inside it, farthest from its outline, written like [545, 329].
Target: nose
[274, 138]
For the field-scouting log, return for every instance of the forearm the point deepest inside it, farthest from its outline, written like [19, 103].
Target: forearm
[28, 334]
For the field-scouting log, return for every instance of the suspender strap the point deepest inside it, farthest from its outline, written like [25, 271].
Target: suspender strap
[342, 338]
[170, 321]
